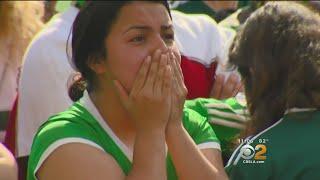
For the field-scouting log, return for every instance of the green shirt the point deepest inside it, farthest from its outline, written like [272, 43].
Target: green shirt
[82, 123]
[286, 150]
[227, 118]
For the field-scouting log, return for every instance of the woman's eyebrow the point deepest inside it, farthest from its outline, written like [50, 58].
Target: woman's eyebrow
[143, 27]
[167, 27]
[139, 27]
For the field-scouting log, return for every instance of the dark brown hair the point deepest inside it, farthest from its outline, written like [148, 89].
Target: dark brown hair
[277, 53]
[90, 28]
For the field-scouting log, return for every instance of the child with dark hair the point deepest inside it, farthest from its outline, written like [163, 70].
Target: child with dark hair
[277, 53]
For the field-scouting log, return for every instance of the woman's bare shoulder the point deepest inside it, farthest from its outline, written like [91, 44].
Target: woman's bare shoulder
[79, 161]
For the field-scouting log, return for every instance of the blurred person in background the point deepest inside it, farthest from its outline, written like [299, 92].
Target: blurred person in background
[19, 22]
[277, 52]
[204, 47]
[315, 5]
[43, 91]
[218, 10]
[208, 48]
[234, 20]
[49, 10]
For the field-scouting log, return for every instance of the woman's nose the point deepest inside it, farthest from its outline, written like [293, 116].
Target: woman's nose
[159, 43]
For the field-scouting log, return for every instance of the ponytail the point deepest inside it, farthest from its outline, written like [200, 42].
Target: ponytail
[77, 87]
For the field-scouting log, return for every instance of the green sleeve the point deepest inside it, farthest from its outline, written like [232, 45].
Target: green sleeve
[49, 133]
[198, 128]
[229, 110]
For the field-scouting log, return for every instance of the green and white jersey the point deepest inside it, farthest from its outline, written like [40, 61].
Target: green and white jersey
[227, 118]
[286, 150]
[82, 123]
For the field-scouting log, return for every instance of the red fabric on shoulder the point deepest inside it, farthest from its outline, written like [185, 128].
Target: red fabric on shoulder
[197, 78]
[10, 138]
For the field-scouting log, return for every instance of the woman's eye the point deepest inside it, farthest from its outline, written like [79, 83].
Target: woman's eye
[137, 39]
[169, 37]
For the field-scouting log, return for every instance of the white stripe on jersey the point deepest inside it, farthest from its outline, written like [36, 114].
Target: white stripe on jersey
[209, 145]
[225, 106]
[224, 114]
[225, 123]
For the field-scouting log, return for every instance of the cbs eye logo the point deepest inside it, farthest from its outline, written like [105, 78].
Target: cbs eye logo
[258, 153]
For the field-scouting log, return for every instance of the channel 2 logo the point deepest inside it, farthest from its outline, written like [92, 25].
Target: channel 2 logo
[254, 155]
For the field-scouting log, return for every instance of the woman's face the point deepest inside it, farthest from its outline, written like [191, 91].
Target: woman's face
[140, 29]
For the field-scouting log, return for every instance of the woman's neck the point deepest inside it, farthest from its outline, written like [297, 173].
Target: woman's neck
[113, 112]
